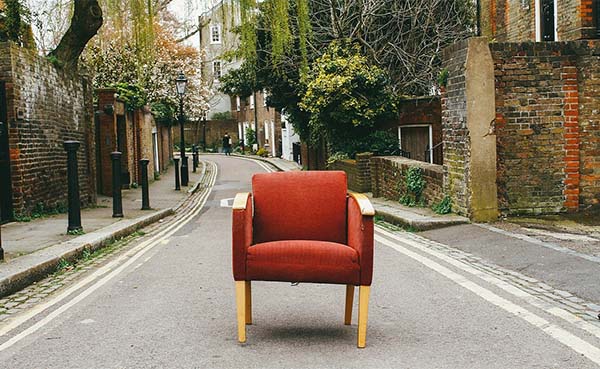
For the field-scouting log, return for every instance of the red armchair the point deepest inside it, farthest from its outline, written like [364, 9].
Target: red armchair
[305, 227]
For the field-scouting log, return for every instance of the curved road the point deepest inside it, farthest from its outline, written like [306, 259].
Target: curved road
[173, 307]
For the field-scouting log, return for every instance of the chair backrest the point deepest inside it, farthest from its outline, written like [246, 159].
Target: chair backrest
[300, 206]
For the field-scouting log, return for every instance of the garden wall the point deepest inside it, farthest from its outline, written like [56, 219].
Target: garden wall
[357, 171]
[46, 106]
[388, 175]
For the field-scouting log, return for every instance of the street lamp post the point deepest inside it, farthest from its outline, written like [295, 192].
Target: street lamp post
[180, 84]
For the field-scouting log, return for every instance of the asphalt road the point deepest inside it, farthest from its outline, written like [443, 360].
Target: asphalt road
[173, 307]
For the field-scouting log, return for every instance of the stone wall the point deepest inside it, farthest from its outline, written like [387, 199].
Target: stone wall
[46, 106]
[358, 171]
[388, 175]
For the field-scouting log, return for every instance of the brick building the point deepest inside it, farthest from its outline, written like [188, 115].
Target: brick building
[539, 20]
[135, 134]
[41, 106]
[253, 112]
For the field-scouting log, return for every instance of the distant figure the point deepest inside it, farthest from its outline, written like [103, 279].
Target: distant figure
[227, 144]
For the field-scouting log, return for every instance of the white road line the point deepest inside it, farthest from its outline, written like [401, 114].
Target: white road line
[566, 338]
[413, 240]
[264, 165]
[133, 254]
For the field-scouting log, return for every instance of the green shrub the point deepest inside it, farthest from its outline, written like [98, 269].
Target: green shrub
[415, 184]
[444, 206]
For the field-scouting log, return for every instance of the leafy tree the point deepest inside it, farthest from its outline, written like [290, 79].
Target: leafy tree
[13, 23]
[345, 96]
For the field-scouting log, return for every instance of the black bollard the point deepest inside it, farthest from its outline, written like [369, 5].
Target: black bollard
[184, 171]
[177, 187]
[116, 185]
[195, 157]
[145, 193]
[71, 148]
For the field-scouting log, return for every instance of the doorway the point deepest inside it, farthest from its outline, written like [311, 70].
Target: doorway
[416, 141]
[6, 209]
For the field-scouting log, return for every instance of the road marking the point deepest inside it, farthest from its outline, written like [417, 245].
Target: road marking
[563, 336]
[413, 240]
[227, 203]
[132, 255]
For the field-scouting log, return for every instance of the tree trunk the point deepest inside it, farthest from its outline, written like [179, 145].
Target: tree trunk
[86, 21]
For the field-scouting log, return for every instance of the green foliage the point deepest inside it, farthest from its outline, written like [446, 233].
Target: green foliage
[377, 142]
[55, 61]
[41, 211]
[443, 78]
[164, 112]
[444, 206]
[337, 156]
[239, 82]
[224, 115]
[415, 184]
[262, 152]
[250, 137]
[13, 24]
[64, 265]
[133, 95]
[345, 95]
[75, 232]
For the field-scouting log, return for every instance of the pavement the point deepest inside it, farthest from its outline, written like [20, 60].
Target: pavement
[167, 301]
[35, 248]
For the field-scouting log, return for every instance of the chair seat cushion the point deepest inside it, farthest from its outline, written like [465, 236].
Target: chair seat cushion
[303, 261]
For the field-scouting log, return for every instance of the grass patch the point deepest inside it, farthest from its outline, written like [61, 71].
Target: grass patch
[393, 227]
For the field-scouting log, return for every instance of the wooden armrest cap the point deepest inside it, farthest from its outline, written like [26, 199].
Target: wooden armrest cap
[366, 208]
[240, 201]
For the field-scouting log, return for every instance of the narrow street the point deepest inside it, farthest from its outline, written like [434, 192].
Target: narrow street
[168, 302]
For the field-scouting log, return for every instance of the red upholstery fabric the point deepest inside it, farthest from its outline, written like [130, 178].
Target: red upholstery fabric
[303, 261]
[300, 206]
[241, 239]
[360, 238]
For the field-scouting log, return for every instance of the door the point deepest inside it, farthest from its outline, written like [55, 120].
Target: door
[415, 140]
[6, 210]
[547, 20]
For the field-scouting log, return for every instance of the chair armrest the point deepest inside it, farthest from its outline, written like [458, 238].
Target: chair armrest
[241, 233]
[360, 234]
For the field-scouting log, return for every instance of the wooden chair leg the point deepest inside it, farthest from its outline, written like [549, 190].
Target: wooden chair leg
[248, 296]
[363, 313]
[240, 299]
[349, 302]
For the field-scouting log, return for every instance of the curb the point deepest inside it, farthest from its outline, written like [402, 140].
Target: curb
[424, 224]
[27, 269]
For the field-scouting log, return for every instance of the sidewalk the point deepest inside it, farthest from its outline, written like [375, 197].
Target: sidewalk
[31, 248]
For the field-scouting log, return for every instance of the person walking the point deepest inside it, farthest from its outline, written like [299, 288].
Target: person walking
[227, 144]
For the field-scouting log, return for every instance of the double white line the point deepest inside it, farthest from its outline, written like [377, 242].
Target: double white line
[104, 274]
[568, 339]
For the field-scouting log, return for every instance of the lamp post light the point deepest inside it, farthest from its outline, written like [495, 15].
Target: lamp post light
[180, 84]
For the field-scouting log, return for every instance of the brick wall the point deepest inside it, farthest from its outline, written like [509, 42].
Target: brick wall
[263, 114]
[515, 21]
[547, 97]
[388, 175]
[357, 171]
[56, 105]
[454, 127]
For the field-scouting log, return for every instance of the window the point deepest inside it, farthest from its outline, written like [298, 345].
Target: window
[251, 101]
[596, 14]
[545, 20]
[264, 93]
[215, 34]
[217, 69]
[267, 130]
[238, 103]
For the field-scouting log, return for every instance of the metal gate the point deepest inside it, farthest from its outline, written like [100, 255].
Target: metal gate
[5, 177]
